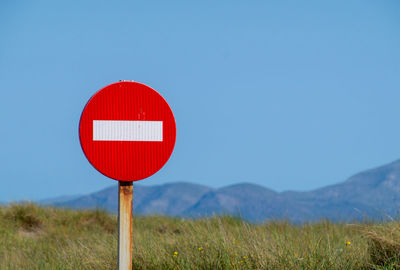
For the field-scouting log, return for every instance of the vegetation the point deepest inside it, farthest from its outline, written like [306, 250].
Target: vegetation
[33, 237]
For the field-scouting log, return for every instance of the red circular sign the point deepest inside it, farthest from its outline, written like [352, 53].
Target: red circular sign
[127, 131]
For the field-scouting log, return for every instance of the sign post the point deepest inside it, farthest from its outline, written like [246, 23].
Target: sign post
[127, 132]
[125, 217]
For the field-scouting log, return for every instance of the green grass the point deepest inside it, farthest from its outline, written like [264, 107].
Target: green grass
[33, 237]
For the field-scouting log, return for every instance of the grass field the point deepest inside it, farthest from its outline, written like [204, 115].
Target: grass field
[33, 237]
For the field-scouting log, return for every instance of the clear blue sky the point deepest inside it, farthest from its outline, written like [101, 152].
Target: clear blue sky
[291, 95]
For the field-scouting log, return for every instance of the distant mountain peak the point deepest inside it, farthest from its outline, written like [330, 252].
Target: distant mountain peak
[377, 175]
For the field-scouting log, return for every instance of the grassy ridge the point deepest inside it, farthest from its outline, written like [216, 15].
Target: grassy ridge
[33, 237]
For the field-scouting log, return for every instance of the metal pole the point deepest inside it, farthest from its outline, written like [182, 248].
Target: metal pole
[125, 219]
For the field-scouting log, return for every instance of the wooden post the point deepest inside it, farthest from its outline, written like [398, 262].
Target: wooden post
[125, 219]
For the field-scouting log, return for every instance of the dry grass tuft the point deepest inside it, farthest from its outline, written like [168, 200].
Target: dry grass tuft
[384, 244]
[25, 216]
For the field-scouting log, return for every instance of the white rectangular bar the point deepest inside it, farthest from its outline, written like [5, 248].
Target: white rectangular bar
[136, 131]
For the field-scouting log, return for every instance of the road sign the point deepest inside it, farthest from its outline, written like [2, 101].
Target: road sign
[127, 131]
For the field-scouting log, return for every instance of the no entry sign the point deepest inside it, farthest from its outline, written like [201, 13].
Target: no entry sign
[127, 131]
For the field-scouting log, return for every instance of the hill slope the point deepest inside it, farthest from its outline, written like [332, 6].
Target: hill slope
[169, 199]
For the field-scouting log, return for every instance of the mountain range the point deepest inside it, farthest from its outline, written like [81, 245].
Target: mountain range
[372, 194]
